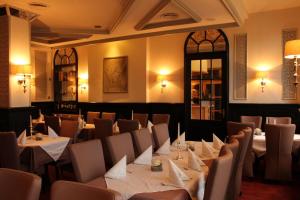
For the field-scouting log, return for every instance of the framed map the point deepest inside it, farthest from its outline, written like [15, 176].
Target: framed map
[115, 75]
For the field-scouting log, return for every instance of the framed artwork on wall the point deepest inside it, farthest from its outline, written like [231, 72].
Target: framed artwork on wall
[115, 75]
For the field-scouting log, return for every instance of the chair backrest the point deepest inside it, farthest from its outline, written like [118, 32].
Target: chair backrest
[278, 120]
[88, 160]
[128, 125]
[69, 128]
[279, 143]
[160, 134]
[142, 118]
[73, 117]
[234, 128]
[15, 184]
[52, 122]
[219, 175]
[108, 115]
[9, 154]
[257, 120]
[142, 140]
[119, 146]
[64, 190]
[160, 119]
[243, 137]
[103, 128]
[91, 116]
[234, 147]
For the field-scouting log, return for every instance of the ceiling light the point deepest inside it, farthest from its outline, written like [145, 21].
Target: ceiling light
[170, 15]
[38, 4]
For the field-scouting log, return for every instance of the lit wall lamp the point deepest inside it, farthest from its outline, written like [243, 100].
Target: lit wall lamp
[292, 51]
[163, 81]
[83, 82]
[23, 74]
[262, 76]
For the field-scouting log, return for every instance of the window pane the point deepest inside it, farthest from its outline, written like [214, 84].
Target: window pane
[220, 44]
[205, 69]
[192, 47]
[205, 110]
[216, 68]
[212, 34]
[205, 46]
[216, 110]
[206, 89]
[195, 102]
[195, 65]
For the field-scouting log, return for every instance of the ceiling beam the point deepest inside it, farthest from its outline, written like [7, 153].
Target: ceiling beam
[122, 15]
[142, 23]
[51, 34]
[169, 23]
[179, 4]
[70, 31]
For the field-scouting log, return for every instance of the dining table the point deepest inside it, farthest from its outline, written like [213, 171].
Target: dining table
[259, 144]
[140, 180]
[39, 151]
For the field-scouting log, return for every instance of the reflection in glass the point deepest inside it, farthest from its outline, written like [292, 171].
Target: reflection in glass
[206, 46]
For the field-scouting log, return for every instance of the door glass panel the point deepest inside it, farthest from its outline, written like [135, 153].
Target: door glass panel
[195, 102]
[217, 68]
[195, 69]
[205, 110]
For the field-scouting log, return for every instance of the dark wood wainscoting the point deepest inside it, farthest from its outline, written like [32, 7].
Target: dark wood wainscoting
[265, 110]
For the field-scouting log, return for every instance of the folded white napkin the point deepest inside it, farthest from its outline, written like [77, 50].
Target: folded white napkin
[180, 139]
[118, 171]
[217, 143]
[165, 148]
[116, 128]
[140, 126]
[22, 138]
[207, 150]
[145, 158]
[176, 175]
[149, 126]
[194, 162]
[201, 184]
[51, 133]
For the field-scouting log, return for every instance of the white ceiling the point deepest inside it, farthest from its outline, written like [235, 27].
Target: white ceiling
[254, 6]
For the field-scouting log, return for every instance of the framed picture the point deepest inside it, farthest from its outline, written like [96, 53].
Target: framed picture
[115, 75]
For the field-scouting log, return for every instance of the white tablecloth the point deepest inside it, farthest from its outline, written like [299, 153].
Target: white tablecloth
[259, 144]
[54, 147]
[140, 178]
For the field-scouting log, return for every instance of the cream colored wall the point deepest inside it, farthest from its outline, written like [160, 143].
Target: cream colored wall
[83, 71]
[166, 53]
[264, 50]
[19, 54]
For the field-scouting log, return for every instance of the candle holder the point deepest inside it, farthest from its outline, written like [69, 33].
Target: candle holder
[179, 148]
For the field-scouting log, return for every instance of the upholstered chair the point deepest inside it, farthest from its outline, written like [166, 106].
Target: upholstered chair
[119, 146]
[234, 128]
[9, 154]
[178, 194]
[142, 118]
[91, 116]
[15, 185]
[103, 128]
[128, 125]
[160, 134]
[233, 145]
[52, 122]
[69, 128]
[88, 162]
[67, 190]
[257, 120]
[142, 139]
[108, 115]
[278, 120]
[279, 143]
[160, 119]
[219, 175]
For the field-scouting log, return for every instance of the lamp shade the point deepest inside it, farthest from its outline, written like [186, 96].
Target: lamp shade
[292, 49]
[21, 69]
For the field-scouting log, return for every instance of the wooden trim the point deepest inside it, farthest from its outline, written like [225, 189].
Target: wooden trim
[187, 10]
[169, 23]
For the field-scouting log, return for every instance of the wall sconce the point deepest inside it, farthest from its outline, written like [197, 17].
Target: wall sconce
[262, 76]
[163, 81]
[292, 51]
[23, 74]
[83, 82]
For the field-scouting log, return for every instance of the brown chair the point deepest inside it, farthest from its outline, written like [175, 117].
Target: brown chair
[142, 140]
[91, 116]
[234, 147]
[73, 117]
[243, 137]
[142, 118]
[219, 175]
[128, 125]
[234, 128]
[107, 115]
[17, 185]
[278, 120]
[67, 190]
[103, 128]
[257, 120]
[160, 134]
[160, 119]
[119, 146]
[9, 153]
[69, 128]
[88, 162]
[178, 194]
[279, 143]
[52, 122]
